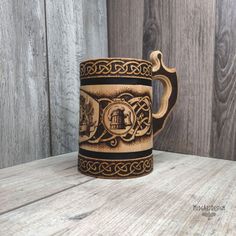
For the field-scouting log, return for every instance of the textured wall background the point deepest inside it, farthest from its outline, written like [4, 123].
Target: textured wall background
[41, 46]
[43, 41]
[198, 38]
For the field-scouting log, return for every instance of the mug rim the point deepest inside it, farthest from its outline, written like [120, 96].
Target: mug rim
[115, 58]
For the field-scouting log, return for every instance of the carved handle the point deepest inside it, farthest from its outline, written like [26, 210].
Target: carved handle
[168, 78]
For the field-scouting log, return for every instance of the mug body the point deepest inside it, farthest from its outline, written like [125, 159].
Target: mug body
[115, 126]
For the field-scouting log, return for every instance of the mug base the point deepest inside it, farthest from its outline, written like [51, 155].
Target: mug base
[115, 169]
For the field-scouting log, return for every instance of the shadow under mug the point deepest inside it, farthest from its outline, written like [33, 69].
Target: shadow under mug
[117, 126]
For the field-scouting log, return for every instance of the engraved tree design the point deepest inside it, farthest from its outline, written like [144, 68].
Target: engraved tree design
[86, 117]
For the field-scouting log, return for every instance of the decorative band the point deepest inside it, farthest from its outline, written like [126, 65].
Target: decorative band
[124, 117]
[115, 168]
[114, 156]
[110, 80]
[116, 67]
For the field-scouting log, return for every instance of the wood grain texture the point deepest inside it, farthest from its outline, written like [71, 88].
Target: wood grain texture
[76, 30]
[24, 122]
[223, 143]
[184, 32]
[158, 204]
[125, 28]
[38, 180]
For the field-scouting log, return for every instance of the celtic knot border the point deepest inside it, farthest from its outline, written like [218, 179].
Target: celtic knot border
[142, 126]
[115, 168]
[115, 67]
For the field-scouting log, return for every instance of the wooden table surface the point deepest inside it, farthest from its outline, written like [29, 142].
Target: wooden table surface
[184, 195]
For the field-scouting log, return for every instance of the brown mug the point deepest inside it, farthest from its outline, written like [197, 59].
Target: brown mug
[117, 126]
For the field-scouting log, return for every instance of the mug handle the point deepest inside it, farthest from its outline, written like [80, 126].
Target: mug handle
[168, 78]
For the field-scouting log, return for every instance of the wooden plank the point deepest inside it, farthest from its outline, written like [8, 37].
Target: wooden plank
[160, 203]
[95, 29]
[184, 31]
[223, 144]
[24, 184]
[24, 122]
[76, 30]
[125, 28]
